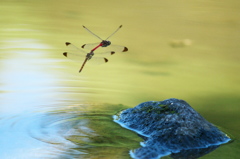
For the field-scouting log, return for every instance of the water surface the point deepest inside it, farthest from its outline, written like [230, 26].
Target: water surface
[49, 110]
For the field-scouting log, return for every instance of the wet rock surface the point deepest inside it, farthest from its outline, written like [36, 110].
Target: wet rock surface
[171, 127]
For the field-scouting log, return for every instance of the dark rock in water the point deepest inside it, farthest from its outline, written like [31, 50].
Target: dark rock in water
[171, 127]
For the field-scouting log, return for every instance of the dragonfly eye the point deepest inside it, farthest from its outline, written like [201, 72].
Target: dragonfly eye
[105, 43]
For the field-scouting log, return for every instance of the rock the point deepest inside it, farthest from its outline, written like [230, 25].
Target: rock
[171, 127]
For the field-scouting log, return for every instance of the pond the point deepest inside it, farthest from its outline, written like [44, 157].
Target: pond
[177, 49]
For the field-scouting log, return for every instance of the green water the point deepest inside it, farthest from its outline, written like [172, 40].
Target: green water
[177, 49]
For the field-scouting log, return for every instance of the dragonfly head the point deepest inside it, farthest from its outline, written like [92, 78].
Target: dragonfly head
[105, 43]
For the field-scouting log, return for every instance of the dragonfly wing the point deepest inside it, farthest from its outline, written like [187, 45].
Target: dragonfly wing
[75, 48]
[115, 48]
[90, 46]
[98, 60]
[107, 53]
[118, 48]
[74, 56]
[78, 58]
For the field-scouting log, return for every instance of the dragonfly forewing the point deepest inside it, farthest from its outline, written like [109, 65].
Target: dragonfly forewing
[115, 48]
[89, 46]
[75, 48]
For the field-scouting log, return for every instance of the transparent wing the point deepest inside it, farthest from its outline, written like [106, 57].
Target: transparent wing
[74, 56]
[115, 48]
[107, 53]
[75, 48]
[90, 46]
[97, 60]
[80, 58]
[118, 48]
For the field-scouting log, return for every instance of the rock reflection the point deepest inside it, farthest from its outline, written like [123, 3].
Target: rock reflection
[193, 153]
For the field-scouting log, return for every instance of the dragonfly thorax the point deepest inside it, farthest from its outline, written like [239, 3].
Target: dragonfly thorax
[89, 55]
[106, 43]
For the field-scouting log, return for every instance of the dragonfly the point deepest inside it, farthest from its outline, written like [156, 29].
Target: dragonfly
[92, 57]
[79, 55]
[104, 43]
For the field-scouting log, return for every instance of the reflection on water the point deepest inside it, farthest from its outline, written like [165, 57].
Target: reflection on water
[23, 79]
[39, 86]
[25, 88]
[89, 132]
[193, 153]
[16, 141]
